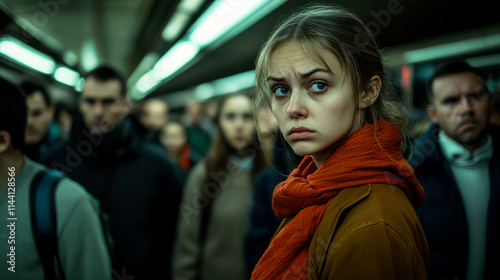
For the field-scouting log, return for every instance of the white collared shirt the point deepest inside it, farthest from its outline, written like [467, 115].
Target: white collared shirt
[471, 172]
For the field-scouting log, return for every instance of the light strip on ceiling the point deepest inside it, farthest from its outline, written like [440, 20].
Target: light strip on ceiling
[179, 55]
[453, 49]
[66, 76]
[484, 61]
[26, 55]
[180, 19]
[226, 85]
[90, 58]
[223, 20]
[223, 16]
[175, 26]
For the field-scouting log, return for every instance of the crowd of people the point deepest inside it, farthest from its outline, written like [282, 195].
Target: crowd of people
[315, 175]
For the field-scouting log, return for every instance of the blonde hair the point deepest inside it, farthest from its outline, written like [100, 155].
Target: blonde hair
[334, 29]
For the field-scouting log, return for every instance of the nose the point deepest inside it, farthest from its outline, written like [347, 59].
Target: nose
[297, 108]
[466, 106]
[31, 120]
[238, 123]
[98, 109]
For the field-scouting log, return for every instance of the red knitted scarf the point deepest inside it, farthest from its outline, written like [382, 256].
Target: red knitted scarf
[364, 157]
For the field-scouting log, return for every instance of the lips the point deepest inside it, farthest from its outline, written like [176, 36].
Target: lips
[299, 130]
[300, 133]
[467, 124]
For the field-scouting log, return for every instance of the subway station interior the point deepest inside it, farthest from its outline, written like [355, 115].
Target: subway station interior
[70, 37]
[139, 131]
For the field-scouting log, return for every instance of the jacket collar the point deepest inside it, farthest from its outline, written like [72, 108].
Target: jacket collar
[428, 150]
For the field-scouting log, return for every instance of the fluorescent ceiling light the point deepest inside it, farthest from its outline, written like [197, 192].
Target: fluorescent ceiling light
[79, 85]
[147, 62]
[26, 55]
[180, 19]
[66, 76]
[147, 81]
[223, 20]
[484, 61]
[225, 15]
[70, 58]
[175, 26]
[204, 91]
[179, 55]
[90, 59]
[235, 83]
[225, 85]
[452, 49]
[190, 6]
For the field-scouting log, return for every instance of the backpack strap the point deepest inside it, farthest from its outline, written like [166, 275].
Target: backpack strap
[44, 221]
[104, 218]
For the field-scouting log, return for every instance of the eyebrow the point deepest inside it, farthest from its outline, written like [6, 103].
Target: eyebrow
[302, 77]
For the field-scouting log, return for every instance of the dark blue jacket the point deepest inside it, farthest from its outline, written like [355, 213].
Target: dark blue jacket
[442, 213]
[137, 188]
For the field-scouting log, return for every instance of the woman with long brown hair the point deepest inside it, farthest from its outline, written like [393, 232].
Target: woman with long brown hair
[215, 210]
[349, 207]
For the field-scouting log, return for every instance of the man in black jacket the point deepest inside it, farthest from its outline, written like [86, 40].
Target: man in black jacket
[134, 183]
[457, 161]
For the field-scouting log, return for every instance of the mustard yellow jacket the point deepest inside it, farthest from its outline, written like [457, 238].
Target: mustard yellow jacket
[368, 232]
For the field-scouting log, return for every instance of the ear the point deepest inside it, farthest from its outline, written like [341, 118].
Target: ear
[431, 111]
[368, 97]
[5, 141]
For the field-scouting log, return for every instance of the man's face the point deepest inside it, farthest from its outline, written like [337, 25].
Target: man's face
[462, 108]
[102, 105]
[154, 114]
[40, 116]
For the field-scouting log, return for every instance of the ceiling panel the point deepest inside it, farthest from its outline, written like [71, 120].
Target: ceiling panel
[124, 31]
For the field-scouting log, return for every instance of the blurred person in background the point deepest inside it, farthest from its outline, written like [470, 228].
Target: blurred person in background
[267, 131]
[135, 184]
[154, 114]
[199, 136]
[215, 209]
[82, 250]
[174, 137]
[39, 138]
[63, 118]
[457, 161]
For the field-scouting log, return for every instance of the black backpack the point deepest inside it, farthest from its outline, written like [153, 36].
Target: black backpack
[44, 222]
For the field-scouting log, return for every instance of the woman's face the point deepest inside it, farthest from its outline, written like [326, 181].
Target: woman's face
[313, 106]
[236, 121]
[174, 138]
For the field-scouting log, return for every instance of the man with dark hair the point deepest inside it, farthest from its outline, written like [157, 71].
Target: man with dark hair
[135, 184]
[457, 161]
[154, 114]
[40, 116]
[82, 250]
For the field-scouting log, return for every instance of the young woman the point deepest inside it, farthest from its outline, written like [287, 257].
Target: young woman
[215, 210]
[173, 136]
[349, 206]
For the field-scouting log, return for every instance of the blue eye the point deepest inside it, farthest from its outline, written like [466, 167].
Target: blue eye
[280, 91]
[318, 87]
